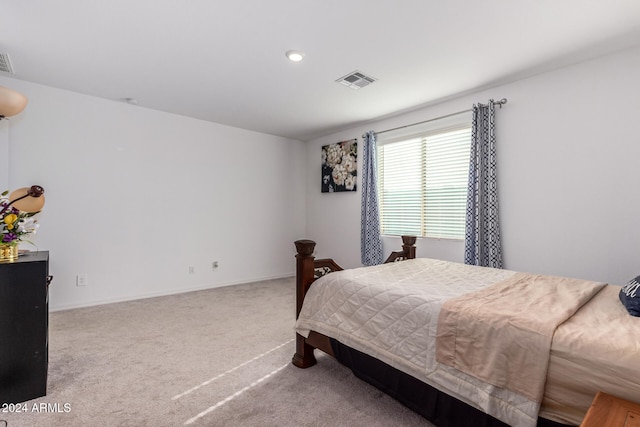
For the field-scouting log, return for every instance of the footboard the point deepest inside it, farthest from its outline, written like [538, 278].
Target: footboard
[308, 269]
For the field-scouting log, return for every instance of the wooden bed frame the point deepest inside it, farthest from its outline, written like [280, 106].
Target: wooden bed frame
[436, 406]
[309, 269]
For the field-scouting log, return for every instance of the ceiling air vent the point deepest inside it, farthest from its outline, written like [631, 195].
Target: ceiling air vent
[356, 80]
[5, 63]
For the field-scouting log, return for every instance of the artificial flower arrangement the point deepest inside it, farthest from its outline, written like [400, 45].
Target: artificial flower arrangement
[15, 225]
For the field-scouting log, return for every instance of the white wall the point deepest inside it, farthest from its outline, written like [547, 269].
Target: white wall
[4, 155]
[568, 151]
[134, 197]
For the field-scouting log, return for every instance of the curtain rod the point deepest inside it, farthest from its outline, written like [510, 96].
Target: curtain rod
[500, 103]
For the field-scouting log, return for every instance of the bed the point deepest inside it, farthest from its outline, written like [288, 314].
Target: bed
[418, 329]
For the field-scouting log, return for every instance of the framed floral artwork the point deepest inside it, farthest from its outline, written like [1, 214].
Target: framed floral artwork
[339, 166]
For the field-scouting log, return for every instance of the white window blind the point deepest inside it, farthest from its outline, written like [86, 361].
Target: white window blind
[422, 183]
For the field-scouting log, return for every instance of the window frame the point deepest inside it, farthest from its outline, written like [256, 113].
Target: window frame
[424, 131]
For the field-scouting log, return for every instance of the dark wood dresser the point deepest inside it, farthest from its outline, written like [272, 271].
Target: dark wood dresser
[24, 327]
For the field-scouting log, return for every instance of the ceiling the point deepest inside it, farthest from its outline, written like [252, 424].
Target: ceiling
[224, 60]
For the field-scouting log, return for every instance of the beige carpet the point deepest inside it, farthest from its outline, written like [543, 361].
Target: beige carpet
[219, 357]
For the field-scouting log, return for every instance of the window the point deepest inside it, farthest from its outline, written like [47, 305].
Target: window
[422, 182]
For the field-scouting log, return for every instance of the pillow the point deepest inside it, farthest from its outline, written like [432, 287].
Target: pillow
[630, 296]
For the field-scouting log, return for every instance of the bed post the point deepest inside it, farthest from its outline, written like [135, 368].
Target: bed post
[409, 246]
[408, 250]
[304, 277]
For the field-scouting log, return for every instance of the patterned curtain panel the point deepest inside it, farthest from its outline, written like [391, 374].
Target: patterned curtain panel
[370, 241]
[482, 233]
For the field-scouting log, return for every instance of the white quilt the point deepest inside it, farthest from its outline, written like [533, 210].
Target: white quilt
[391, 312]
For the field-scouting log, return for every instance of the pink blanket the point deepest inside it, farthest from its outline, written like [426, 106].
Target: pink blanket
[502, 334]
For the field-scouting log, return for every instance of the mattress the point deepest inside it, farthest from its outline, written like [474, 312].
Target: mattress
[396, 323]
[598, 349]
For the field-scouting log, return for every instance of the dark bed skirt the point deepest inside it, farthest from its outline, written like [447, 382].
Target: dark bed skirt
[436, 406]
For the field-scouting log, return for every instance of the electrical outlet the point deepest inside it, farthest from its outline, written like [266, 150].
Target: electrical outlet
[214, 265]
[81, 280]
[192, 270]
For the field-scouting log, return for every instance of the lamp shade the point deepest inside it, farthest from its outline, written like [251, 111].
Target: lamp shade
[27, 199]
[11, 102]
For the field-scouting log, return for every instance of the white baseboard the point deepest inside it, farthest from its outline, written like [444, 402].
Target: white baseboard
[164, 293]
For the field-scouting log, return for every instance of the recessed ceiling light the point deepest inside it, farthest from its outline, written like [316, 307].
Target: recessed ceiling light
[295, 55]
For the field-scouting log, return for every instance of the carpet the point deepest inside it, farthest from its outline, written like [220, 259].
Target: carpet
[218, 357]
